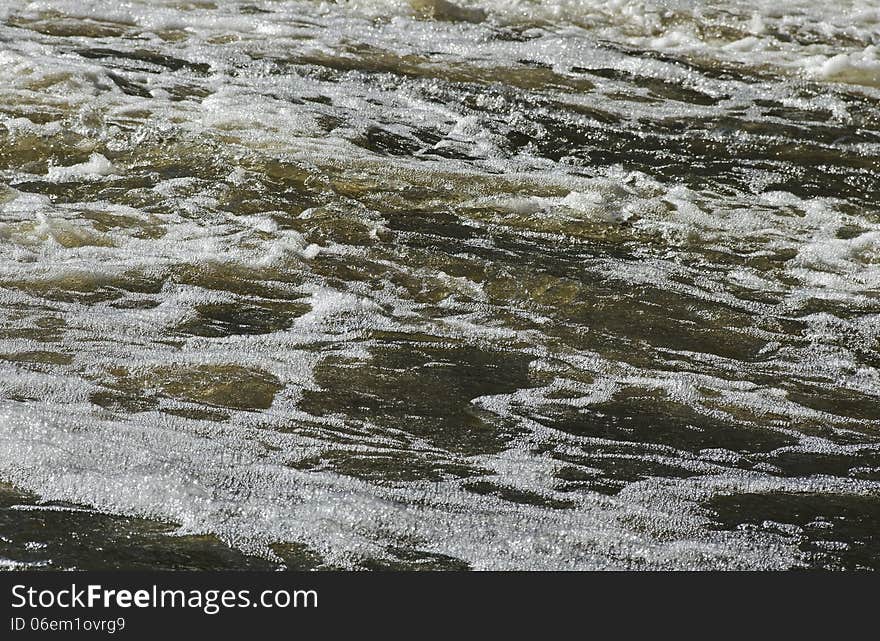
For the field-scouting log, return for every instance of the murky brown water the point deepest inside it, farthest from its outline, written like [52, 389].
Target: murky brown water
[500, 284]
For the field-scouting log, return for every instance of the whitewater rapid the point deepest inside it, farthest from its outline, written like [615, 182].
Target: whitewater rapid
[500, 284]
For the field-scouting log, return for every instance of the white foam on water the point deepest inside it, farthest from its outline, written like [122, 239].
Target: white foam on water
[300, 91]
[858, 67]
[254, 499]
[96, 166]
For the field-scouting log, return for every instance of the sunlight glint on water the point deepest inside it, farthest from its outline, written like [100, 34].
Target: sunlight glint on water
[497, 284]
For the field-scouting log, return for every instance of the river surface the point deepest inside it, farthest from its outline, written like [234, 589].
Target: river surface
[500, 284]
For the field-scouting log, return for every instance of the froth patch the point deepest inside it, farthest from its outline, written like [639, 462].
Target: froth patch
[95, 167]
[858, 67]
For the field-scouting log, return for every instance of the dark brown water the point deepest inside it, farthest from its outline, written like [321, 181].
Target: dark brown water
[496, 285]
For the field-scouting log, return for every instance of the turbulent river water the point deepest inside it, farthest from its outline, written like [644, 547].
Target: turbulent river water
[500, 284]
